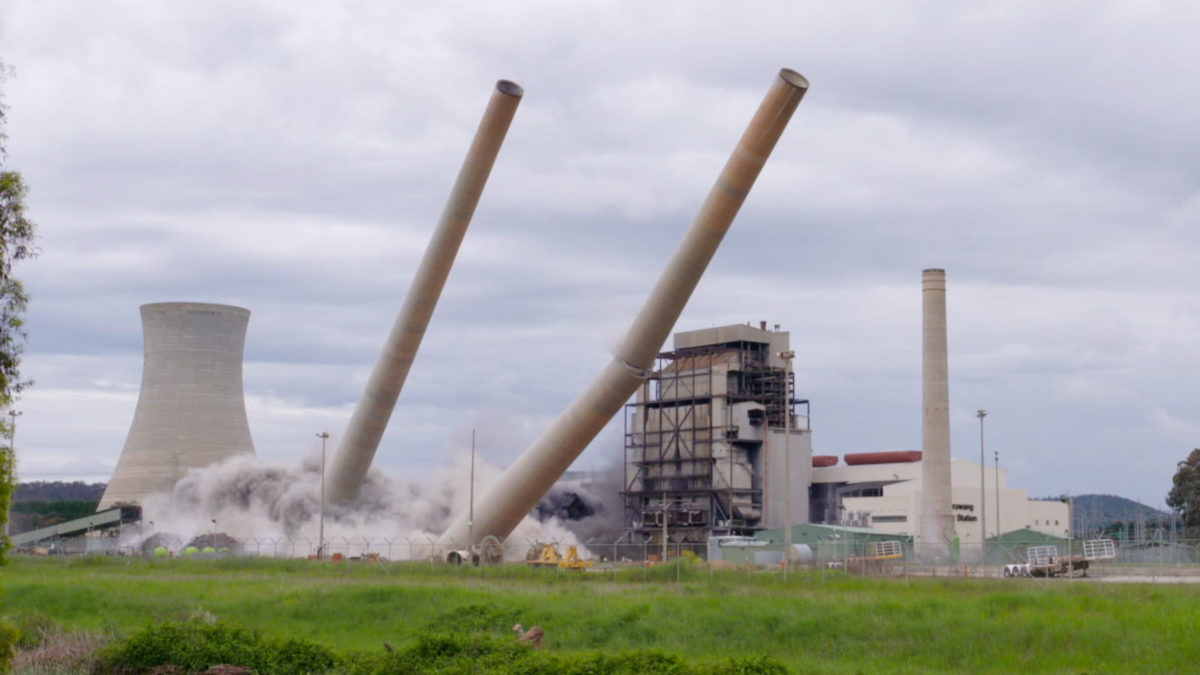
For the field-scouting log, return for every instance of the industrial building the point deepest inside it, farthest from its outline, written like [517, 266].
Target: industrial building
[191, 411]
[882, 491]
[706, 437]
[705, 446]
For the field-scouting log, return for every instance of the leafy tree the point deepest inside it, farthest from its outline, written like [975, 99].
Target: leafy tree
[1184, 496]
[16, 244]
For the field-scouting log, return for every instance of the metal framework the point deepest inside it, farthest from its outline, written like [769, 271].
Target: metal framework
[682, 442]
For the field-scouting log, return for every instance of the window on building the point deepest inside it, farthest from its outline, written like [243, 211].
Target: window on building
[1056, 522]
[889, 519]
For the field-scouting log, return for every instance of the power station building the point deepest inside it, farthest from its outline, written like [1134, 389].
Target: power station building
[706, 437]
[191, 411]
[882, 491]
[705, 455]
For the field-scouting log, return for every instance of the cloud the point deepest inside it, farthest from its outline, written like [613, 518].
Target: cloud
[1170, 424]
[292, 160]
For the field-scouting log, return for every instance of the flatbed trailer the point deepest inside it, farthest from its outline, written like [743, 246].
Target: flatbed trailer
[1044, 561]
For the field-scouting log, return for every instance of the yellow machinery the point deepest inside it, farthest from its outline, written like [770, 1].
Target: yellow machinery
[573, 561]
[543, 555]
[546, 555]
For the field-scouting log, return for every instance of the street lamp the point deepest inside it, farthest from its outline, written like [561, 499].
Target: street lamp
[12, 431]
[471, 500]
[981, 413]
[324, 436]
[787, 357]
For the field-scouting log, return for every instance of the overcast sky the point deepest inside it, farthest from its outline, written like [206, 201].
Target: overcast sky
[292, 158]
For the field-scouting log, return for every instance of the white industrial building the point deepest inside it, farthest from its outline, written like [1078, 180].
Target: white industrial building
[882, 491]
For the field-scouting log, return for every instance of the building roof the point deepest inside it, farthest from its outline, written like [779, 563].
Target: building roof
[806, 532]
[1026, 536]
[703, 362]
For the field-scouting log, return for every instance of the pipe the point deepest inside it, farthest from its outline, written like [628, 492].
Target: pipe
[888, 457]
[533, 473]
[361, 440]
[937, 519]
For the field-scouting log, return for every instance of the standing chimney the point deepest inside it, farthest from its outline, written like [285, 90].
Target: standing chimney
[937, 519]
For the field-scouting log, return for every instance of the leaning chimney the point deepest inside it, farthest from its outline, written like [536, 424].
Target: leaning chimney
[370, 419]
[528, 479]
[937, 520]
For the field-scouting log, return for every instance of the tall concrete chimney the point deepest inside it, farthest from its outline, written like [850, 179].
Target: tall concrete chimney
[520, 487]
[191, 411]
[937, 518]
[361, 440]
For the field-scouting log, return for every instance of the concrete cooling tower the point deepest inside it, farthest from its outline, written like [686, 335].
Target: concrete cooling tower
[191, 411]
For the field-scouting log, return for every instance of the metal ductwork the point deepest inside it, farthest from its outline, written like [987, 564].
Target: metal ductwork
[361, 440]
[524, 483]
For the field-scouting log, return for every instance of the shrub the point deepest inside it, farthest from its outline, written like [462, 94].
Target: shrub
[8, 641]
[198, 646]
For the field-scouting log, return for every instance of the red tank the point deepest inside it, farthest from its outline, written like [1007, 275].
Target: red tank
[824, 460]
[894, 457]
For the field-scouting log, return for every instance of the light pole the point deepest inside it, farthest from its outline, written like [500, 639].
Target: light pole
[12, 431]
[12, 457]
[981, 413]
[471, 500]
[787, 357]
[324, 436]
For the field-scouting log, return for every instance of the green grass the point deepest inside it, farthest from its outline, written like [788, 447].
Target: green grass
[814, 623]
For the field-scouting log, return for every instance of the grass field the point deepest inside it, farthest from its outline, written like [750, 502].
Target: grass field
[814, 623]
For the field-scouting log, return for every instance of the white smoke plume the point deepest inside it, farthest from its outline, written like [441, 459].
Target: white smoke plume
[275, 510]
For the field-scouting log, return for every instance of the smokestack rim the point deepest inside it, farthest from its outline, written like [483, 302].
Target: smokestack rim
[187, 305]
[509, 87]
[793, 78]
[933, 270]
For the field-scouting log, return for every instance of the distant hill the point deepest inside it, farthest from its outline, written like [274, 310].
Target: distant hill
[58, 491]
[1108, 513]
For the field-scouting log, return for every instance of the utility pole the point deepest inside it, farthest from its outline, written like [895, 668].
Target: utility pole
[666, 514]
[997, 476]
[324, 436]
[471, 500]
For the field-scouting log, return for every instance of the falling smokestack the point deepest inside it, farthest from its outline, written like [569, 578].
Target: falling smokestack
[370, 419]
[191, 411]
[520, 487]
[937, 519]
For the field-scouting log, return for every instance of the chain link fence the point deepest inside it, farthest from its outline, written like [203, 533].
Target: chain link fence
[1148, 559]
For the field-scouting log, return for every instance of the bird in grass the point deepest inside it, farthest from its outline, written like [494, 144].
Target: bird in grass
[532, 636]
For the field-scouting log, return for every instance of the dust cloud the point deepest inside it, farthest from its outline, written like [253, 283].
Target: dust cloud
[274, 509]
